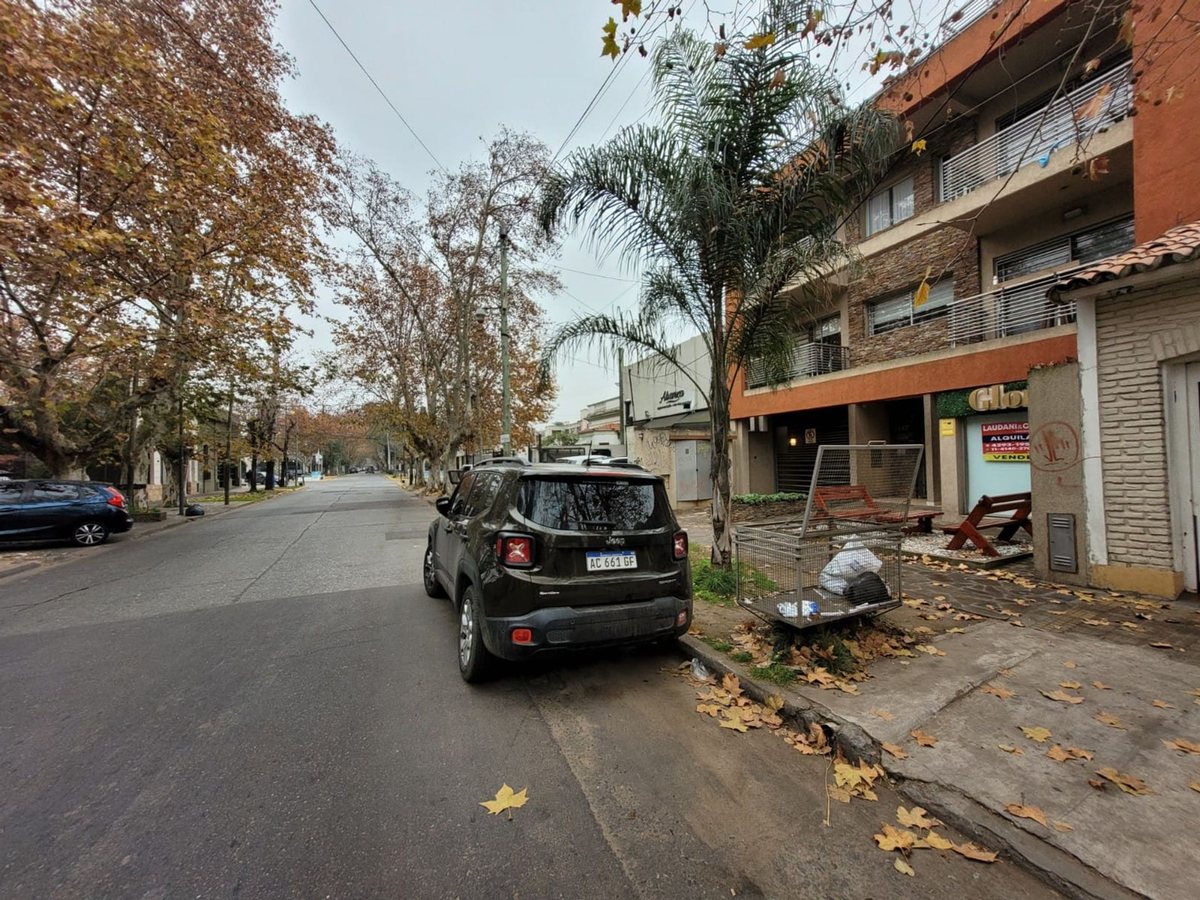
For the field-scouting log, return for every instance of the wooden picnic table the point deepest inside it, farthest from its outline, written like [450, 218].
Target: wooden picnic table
[985, 515]
[854, 502]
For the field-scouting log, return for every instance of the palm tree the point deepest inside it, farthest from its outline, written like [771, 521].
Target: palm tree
[735, 194]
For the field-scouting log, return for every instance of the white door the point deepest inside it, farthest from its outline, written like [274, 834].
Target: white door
[1193, 424]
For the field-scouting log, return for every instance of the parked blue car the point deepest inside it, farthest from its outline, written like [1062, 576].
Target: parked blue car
[85, 512]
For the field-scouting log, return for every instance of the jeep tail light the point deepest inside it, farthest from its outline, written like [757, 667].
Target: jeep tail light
[115, 498]
[680, 545]
[515, 550]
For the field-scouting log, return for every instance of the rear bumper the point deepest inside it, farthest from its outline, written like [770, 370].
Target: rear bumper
[574, 628]
[120, 524]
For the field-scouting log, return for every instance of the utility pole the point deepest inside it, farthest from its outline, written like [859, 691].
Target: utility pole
[505, 398]
[182, 462]
[228, 440]
[621, 397]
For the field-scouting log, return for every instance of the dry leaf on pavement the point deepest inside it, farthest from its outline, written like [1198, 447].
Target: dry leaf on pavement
[895, 839]
[930, 649]
[901, 866]
[774, 703]
[1130, 784]
[894, 750]
[1036, 733]
[1183, 745]
[1070, 685]
[506, 799]
[936, 841]
[1162, 645]
[1194, 785]
[1061, 697]
[1101, 686]
[925, 740]
[1027, 812]
[915, 818]
[1063, 826]
[731, 683]
[1070, 664]
[1058, 754]
[709, 709]
[733, 722]
[1081, 754]
[882, 714]
[975, 852]
[1110, 720]
[996, 691]
[1009, 748]
[1161, 704]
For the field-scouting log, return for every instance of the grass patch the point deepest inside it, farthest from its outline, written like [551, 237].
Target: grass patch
[717, 644]
[713, 584]
[763, 499]
[740, 656]
[776, 673]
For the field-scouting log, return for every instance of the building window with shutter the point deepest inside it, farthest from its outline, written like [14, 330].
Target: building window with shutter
[889, 206]
[897, 310]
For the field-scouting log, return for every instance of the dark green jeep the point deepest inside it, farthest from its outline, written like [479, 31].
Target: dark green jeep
[544, 557]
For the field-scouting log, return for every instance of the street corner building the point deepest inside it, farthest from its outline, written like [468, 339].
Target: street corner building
[1025, 304]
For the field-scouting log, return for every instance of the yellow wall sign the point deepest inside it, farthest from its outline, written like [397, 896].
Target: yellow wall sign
[947, 427]
[996, 398]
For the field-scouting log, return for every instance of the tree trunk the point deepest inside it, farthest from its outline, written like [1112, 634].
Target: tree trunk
[270, 485]
[254, 470]
[722, 549]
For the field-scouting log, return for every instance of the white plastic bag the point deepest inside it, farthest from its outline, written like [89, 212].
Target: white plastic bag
[851, 561]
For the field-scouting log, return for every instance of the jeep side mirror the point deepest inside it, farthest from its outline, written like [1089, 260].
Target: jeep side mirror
[443, 505]
[454, 476]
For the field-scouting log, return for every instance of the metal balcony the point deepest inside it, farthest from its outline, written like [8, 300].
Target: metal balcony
[808, 359]
[1006, 311]
[1060, 125]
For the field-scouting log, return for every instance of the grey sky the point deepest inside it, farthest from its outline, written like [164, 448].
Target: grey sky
[458, 70]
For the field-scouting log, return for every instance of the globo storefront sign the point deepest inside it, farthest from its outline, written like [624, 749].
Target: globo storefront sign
[996, 398]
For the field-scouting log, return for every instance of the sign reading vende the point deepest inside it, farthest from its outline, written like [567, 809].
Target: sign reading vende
[1006, 442]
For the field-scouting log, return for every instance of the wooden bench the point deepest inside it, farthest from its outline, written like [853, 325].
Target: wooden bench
[854, 501]
[984, 515]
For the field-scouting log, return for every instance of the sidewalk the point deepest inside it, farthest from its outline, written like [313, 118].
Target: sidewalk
[1124, 675]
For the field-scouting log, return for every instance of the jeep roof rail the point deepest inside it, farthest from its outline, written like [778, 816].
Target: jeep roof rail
[602, 461]
[502, 461]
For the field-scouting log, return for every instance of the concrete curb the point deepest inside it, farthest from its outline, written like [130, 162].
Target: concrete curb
[1059, 869]
[18, 569]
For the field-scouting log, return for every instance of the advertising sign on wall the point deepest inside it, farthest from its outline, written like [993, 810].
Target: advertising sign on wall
[1006, 441]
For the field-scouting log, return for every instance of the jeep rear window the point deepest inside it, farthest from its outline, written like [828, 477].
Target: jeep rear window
[599, 504]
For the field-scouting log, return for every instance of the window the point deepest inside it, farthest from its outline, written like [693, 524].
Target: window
[828, 331]
[890, 313]
[889, 206]
[597, 504]
[1079, 247]
[458, 503]
[487, 486]
[47, 491]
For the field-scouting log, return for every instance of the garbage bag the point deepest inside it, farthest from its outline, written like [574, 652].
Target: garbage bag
[698, 671]
[867, 588]
[851, 561]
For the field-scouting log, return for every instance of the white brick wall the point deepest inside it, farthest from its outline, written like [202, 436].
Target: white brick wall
[1132, 426]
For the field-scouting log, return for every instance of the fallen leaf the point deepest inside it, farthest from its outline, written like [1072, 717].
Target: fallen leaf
[774, 702]
[1016, 623]
[1161, 704]
[709, 709]
[1027, 812]
[1063, 826]
[895, 839]
[1058, 754]
[956, 630]
[996, 691]
[1110, 720]
[1194, 785]
[1101, 686]
[915, 818]
[1061, 697]
[1081, 754]
[977, 853]
[1097, 784]
[1037, 733]
[925, 740]
[1130, 784]
[937, 842]
[1009, 748]
[733, 723]
[894, 750]
[506, 798]
[1183, 745]
[1070, 685]
[731, 683]
[840, 794]
[1162, 645]
[1070, 664]
[900, 865]
[882, 714]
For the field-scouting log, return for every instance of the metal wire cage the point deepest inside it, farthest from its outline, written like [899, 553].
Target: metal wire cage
[843, 559]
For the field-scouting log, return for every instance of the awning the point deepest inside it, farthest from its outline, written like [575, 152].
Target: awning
[699, 417]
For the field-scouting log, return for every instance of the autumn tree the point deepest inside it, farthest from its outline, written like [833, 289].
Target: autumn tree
[424, 292]
[157, 193]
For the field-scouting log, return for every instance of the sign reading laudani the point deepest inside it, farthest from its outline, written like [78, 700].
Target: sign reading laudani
[1006, 441]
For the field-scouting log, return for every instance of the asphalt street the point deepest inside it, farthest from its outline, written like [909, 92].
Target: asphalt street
[266, 704]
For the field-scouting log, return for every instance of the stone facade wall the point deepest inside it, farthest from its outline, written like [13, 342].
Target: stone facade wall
[1133, 435]
[950, 253]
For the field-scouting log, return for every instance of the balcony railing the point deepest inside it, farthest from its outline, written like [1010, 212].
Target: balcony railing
[808, 359]
[1006, 311]
[1074, 117]
[965, 15]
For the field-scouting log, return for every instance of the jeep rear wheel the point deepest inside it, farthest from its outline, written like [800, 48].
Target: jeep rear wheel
[433, 587]
[474, 659]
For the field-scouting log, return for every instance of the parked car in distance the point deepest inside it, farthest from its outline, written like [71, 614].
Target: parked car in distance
[85, 512]
[548, 556]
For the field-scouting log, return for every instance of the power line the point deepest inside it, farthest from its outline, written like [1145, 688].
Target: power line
[592, 274]
[375, 84]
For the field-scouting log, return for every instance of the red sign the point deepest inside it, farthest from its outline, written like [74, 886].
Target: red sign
[1006, 441]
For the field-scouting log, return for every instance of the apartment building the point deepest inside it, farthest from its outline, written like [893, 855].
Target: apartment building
[1044, 152]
